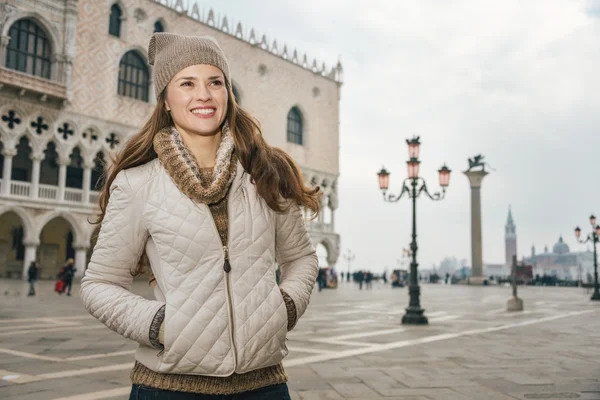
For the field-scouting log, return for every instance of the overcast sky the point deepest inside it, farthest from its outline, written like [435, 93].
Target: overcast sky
[518, 81]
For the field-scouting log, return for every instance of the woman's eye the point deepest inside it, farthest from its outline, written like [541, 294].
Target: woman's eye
[186, 83]
[218, 83]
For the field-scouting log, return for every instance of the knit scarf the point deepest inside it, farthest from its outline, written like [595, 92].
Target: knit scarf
[183, 168]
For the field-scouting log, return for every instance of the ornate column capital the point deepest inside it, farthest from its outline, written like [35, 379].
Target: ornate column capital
[475, 177]
[37, 156]
[31, 243]
[9, 152]
[64, 160]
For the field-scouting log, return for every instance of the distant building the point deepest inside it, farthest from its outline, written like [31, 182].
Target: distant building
[562, 263]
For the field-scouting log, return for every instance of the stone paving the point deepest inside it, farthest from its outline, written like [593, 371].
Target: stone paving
[349, 345]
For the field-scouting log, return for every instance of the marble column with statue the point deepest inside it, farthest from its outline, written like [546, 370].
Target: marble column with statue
[476, 172]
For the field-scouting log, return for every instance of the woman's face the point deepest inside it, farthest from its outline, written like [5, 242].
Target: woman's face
[197, 100]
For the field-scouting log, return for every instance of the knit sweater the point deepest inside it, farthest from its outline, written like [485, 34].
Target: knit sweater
[235, 383]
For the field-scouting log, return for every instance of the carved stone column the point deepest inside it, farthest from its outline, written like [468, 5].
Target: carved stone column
[35, 175]
[30, 255]
[62, 177]
[80, 260]
[87, 181]
[7, 170]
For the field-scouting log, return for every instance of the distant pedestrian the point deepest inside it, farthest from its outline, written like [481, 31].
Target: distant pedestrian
[69, 273]
[361, 278]
[32, 276]
[369, 279]
[322, 279]
[59, 286]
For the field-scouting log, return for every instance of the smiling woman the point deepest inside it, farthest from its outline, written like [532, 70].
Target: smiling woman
[219, 320]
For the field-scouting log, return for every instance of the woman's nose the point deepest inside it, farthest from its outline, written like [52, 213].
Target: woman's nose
[203, 94]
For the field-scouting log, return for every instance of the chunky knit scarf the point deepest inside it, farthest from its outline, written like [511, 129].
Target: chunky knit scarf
[183, 168]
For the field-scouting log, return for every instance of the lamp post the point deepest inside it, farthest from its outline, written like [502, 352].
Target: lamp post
[414, 312]
[349, 256]
[593, 237]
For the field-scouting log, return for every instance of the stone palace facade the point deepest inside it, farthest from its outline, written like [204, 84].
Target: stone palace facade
[75, 84]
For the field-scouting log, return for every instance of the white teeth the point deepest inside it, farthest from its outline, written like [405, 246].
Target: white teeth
[203, 111]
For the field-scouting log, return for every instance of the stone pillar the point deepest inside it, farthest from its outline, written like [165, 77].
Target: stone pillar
[80, 261]
[30, 255]
[6, 173]
[4, 41]
[35, 176]
[87, 182]
[475, 179]
[62, 179]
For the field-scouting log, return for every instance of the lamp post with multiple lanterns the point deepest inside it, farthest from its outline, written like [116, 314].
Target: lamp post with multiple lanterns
[593, 237]
[349, 256]
[414, 312]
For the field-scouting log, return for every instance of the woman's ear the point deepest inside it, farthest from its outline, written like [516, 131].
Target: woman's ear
[167, 108]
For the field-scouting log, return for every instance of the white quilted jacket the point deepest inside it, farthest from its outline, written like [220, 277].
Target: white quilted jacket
[216, 323]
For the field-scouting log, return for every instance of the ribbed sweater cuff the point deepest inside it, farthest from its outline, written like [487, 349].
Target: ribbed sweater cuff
[155, 328]
[291, 310]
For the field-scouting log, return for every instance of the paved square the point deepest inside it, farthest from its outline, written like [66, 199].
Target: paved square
[349, 345]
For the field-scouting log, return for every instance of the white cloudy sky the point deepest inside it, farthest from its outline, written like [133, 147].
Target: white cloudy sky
[518, 81]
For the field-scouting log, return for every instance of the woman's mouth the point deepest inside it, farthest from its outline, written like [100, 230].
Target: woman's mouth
[207, 112]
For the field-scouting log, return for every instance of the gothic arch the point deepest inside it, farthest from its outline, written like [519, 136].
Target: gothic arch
[49, 29]
[21, 114]
[28, 224]
[305, 122]
[140, 51]
[80, 235]
[47, 120]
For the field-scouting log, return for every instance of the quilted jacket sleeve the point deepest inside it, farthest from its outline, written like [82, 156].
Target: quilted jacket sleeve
[296, 256]
[105, 288]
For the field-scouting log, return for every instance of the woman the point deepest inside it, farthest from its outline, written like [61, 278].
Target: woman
[201, 199]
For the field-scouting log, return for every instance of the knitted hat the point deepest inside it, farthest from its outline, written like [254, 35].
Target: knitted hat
[169, 53]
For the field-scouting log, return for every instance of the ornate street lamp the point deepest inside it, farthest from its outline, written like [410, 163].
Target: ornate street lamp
[593, 237]
[414, 312]
[349, 256]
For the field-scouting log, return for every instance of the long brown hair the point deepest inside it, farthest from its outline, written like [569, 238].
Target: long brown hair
[273, 172]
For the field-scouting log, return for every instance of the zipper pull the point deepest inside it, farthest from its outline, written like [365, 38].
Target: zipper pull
[226, 265]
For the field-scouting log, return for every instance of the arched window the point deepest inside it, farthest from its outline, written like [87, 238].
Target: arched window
[158, 27]
[133, 76]
[294, 126]
[22, 164]
[49, 169]
[28, 49]
[114, 24]
[75, 170]
[236, 94]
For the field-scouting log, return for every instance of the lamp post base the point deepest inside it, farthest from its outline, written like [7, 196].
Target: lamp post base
[414, 316]
[596, 296]
[514, 304]
[477, 280]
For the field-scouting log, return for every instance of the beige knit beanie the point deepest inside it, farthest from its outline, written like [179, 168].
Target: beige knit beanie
[169, 53]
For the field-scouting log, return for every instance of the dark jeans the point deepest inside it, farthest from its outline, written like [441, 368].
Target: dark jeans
[31, 288]
[275, 392]
[68, 285]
